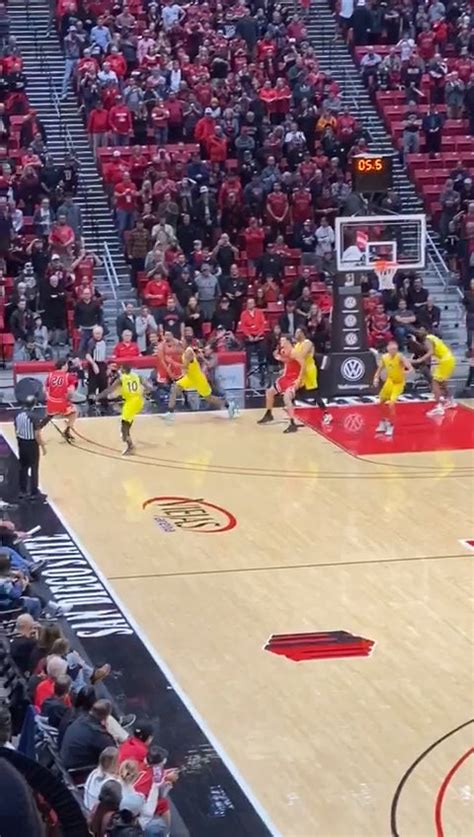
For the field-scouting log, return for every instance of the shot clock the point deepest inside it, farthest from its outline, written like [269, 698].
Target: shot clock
[372, 173]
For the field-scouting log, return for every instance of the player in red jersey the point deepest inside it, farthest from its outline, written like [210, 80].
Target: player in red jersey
[286, 385]
[59, 386]
[169, 365]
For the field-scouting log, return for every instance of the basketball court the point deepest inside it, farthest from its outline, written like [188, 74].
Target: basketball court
[226, 542]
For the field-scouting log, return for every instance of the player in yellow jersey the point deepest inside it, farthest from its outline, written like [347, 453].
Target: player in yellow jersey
[395, 366]
[309, 386]
[193, 378]
[131, 389]
[445, 364]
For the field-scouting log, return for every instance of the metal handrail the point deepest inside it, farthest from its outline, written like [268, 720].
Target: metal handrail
[110, 271]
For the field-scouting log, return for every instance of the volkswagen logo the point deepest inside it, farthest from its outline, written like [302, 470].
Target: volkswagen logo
[353, 423]
[353, 369]
[350, 302]
[350, 320]
[351, 339]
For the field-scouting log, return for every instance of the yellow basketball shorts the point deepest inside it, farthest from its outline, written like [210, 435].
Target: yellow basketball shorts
[444, 369]
[391, 391]
[131, 408]
[199, 383]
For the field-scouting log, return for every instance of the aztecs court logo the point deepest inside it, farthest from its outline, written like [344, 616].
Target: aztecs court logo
[186, 514]
[325, 645]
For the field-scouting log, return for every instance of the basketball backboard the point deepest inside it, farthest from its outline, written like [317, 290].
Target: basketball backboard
[363, 241]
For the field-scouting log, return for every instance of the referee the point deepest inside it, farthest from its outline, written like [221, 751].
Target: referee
[28, 435]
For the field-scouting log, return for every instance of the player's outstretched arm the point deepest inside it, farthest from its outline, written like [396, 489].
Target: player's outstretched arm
[378, 372]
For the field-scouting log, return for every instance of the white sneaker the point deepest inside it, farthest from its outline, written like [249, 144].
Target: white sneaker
[167, 416]
[450, 404]
[436, 411]
[231, 409]
[382, 426]
[389, 430]
[327, 419]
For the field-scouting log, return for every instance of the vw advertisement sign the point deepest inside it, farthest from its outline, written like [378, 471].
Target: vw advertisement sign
[350, 368]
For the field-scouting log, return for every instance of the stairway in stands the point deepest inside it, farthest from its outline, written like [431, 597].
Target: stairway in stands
[334, 56]
[44, 67]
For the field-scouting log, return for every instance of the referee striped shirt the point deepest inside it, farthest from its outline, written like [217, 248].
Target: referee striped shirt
[26, 425]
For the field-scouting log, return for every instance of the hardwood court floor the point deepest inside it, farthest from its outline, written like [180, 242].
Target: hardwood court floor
[323, 541]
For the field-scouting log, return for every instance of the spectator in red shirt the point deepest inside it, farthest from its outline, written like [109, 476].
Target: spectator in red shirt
[126, 349]
[426, 43]
[114, 170]
[278, 210]
[266, 48]
[252, 325]
[379, 328]
[254, 238]
[61, 237]
[136, 747]
[159, 118]
[87, 64]
[345, 129]
[217, 147]
[120, 122]
[55, 667]
[175, 109]
[98, 126]
[125, 203]
[154, 773]
[205, 128]
[269, 97]
[157, 292]
[117, 63]
[301, 205]
[282, 96]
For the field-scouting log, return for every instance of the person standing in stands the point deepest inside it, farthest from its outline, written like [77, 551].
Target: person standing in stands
[72, 46]
[432, 127]
[87, 314]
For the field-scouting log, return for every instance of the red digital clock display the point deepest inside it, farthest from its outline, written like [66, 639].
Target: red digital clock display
[371, 173]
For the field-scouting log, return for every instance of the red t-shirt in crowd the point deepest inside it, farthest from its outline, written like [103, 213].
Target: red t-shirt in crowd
[125, 194]
[277, 202]
[44, 690]
[302, 209]
[126, 351]
[252, 323]
[159, 290]
[120, 119]
[254, 238]
[135, 749]
[98, 122]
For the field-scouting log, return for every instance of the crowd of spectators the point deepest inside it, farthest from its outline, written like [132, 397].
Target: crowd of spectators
[239, 161]
[240, 151]
[398, 313]
[123, 769]
[225, 151]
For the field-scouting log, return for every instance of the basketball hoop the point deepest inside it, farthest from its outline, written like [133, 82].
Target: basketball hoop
[385, 272]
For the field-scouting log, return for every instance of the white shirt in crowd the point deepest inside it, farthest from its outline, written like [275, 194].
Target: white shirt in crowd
[407, 45]
[325, 239]
[171, 15]
[347, 8]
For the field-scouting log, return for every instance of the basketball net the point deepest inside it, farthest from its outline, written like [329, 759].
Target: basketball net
[385, 272]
